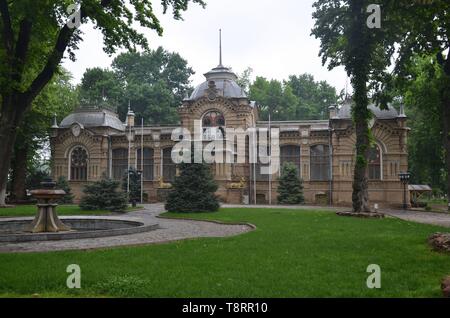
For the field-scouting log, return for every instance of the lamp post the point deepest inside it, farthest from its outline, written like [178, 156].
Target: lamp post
[404, 178]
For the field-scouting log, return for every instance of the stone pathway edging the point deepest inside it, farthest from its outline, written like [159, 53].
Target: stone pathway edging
[252, 226]
[169, 230]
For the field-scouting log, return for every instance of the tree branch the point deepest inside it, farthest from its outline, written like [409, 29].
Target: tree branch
[64, 37]
[63, 40]
[7, 28]
[21, 49]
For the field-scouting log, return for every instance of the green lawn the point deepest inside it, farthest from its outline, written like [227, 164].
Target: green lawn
[30, 210]
[290, 254]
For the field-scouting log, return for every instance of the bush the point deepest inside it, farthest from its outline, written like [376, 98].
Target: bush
[103, 195]
[135, 185]
[290, 189]
[62, 184]
[194, 190]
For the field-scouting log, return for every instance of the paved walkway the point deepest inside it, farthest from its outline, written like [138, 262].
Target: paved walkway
[170, 230]
[441, 219]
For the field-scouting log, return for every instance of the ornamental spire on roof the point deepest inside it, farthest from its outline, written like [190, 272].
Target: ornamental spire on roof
[220, 48]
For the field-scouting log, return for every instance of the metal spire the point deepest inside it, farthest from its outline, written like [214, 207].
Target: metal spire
[220, 47]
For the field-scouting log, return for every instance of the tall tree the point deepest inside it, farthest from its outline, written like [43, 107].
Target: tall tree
[154, 82]
[314, 97]
[426, 153]
[34, 38]
[100, 87]
[423, 28]
[59, 97]
[346, 39]
[274, 98]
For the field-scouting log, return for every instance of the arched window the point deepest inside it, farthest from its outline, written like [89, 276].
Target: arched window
[78, 164]
[320, 163]
[375, 163]
[119, 163]
[213, 125]
[169, 167]
[147, 163]
[290, 153]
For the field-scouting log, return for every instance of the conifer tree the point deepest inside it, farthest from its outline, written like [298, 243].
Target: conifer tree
[62, 184]
[290, 189]
[194, 190]
[104, 195]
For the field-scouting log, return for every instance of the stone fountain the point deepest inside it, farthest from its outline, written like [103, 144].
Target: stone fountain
[46, 219]
[46, 226]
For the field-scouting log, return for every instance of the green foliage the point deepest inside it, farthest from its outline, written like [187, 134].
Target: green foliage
[154, 82]
[135, 185]
[36, 174]
[193, 190]
[426, 153]
[62, 184]
[100, 88]
[300, 97]
[290, 189]
[104, 195]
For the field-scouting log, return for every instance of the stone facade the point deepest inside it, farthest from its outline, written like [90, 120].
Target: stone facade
[93, 142]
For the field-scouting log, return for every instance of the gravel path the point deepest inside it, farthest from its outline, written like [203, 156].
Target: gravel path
[170, 230]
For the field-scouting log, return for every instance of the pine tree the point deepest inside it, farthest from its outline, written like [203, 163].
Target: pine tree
[135, 185]
[194, 190]
[290, 189]
[103, 195]
[62, 184]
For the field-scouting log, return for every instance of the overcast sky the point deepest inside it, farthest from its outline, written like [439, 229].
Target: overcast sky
[270, 36]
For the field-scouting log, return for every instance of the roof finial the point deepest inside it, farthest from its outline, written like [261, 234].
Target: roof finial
[220, 47]
[129, 106]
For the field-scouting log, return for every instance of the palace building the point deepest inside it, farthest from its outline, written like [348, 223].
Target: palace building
[92, 142]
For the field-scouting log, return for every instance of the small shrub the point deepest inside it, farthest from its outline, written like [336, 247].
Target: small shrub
[290, 189]
[135, 185]
[62, 184]
[194, 190]
[104, 195]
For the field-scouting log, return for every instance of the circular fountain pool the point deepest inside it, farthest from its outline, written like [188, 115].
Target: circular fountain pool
[81, 227]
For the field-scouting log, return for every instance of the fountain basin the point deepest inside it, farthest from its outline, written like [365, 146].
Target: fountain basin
[81, 228]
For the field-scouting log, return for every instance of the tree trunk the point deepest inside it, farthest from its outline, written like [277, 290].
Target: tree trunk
[19, 173]
[360, 195]
[360, 46]
[9, 118]
[445, 97]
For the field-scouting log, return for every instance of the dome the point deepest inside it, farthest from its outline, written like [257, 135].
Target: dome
[390, 113]
[93, 118]
[225, 83]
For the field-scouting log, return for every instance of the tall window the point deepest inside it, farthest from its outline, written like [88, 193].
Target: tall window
[213, 126]
[148, 163]
[169, 167]
[262, 157]
[291, 154]
[119, 162]
[78, 164]
[374, 163]
[320, 163]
